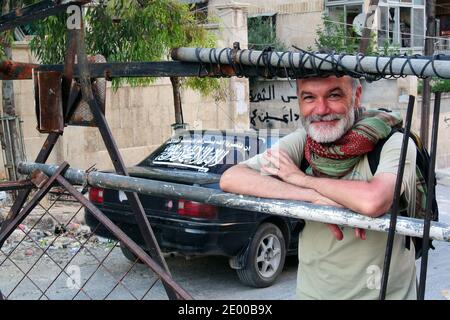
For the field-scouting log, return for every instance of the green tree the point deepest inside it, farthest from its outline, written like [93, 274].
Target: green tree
[127, 30]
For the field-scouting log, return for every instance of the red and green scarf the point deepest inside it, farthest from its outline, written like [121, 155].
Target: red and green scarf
[338, 158]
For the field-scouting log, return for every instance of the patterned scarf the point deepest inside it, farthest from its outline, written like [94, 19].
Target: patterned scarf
[338, 158]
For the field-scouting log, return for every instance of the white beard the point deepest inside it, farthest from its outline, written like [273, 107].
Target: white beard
[326, 133]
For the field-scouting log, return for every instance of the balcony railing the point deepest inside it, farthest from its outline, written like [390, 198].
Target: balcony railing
[442, 46]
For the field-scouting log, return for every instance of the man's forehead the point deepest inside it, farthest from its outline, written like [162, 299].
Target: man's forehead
[331, 81]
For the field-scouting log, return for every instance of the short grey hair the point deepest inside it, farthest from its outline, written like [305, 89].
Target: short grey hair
[355, 83]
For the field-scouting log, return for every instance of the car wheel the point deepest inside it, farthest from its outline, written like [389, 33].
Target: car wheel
[128, 254]
[266, 257]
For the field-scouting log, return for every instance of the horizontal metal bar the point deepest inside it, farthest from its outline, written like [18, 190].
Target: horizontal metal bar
[287, 208]
[174, 176]
[11, 70]
[35, 12]
[16, 185]
[300, 61]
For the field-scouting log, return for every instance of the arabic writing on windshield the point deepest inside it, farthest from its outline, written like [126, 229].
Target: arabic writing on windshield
[199, 153]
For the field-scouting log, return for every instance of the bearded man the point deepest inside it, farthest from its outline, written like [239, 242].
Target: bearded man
[336, 137]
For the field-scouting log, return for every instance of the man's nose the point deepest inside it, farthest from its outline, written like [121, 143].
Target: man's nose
[321, 107]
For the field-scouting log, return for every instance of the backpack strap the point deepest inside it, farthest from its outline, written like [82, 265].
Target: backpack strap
[374, 156]
[374, 160]
[304, 164]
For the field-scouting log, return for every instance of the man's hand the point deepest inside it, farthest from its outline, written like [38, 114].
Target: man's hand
[334, 228]
[280, 164]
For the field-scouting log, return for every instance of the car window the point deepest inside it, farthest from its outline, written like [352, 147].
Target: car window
[207, 152]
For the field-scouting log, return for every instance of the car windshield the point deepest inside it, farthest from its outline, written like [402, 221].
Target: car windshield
[212, 152]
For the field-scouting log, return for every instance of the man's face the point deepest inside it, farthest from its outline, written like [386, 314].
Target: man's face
[327, 106]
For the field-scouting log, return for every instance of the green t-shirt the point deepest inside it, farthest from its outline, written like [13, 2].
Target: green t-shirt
[352, 268]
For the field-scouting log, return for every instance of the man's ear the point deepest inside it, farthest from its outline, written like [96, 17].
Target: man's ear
[358, 94]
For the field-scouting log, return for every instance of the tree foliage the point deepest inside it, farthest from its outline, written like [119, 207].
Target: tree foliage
[337, 36]
[437, 85]
[127, 30]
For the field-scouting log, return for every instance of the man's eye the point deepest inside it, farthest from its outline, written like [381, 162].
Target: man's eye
[335, 96]
[308, 98]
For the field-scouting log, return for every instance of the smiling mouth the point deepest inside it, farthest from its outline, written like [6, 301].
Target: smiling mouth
[325, 121]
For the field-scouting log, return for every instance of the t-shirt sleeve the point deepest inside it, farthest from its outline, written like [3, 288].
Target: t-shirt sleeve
[293, 144]
[390, 156]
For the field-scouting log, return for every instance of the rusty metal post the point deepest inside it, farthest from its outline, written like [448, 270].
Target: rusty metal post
[53, 137]
[118, 163]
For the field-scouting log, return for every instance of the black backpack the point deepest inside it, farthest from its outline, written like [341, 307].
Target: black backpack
[422, 165]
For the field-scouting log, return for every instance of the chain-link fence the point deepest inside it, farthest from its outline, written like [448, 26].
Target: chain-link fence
[54, 255]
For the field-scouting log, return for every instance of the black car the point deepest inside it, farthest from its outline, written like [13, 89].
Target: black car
[256, 243]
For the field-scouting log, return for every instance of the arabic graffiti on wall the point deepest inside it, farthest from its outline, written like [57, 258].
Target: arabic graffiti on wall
[265, 117]
[273, 104]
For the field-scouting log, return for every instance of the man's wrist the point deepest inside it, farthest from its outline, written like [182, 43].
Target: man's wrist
[297, 179]
[310, 182]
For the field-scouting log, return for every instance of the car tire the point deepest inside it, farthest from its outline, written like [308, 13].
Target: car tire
[128, 254]
[266, 257]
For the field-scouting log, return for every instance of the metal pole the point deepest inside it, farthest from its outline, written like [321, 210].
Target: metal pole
[430, 195]
[304, 60]
[177, 100]
[286, 208]
[396, 200]
[428, 51]
[15, 185]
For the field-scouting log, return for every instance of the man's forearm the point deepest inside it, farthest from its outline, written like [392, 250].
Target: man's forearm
[243, 180]
[360, 196]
